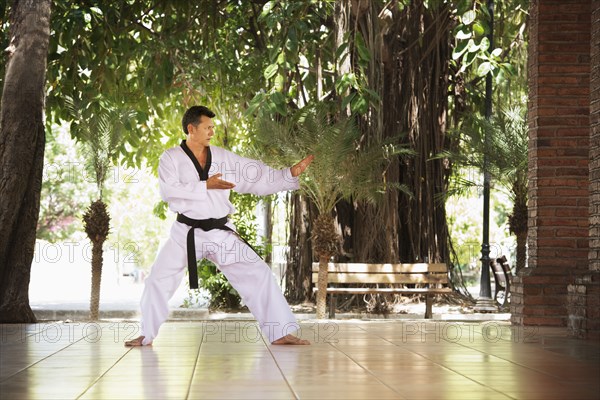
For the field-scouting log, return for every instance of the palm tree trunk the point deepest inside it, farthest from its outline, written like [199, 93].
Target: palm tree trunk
[521, 250]
[322, 287]
[97, 226]
[96, 280]
[517, 221]
[326, 243]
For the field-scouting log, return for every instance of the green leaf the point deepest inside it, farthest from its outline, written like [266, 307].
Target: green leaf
[496, 52]
[348, 99]
[484, 68]
[360, 105]
[270, 71]
[266, 9]
[271, 107]
[467, 60]
[472, 47]
[281, 58]
[462, 35]
[484, 44]
[463, 5]
[469, 17]
[459, 50]
[345, 82]
[279, 81]
[278, 99]
[478, 28]
[363, 52]
[509, 68]
[254, 104]
[292, 41]
[372, 94]
[340, 50]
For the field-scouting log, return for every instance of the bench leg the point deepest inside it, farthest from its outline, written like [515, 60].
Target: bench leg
[331, 306]
[428, 306]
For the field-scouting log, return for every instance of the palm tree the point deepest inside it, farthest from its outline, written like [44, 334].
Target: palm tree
[345, 167]
[101, 134]
[508, 163]
[96, 222]
[511, 145]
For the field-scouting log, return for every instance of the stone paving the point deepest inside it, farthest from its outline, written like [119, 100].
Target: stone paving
[349, 359]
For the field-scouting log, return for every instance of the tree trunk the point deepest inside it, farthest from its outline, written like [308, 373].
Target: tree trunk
[96, 280]
[521, 251]
[298, 282]
[375, 228]
[96, 222]
[421, 108]
[326, 243]
[410, 49]
[518, 220]
[341, 27]
[322, 287]
[22, 141]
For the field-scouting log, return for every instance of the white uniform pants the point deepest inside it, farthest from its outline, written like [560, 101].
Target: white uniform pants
[246, 272]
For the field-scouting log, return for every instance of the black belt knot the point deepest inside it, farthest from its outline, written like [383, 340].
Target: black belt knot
[205, 224]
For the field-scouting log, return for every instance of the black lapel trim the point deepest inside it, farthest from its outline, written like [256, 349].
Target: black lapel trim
[202, 173]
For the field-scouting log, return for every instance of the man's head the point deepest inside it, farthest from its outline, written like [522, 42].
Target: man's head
[193, 116]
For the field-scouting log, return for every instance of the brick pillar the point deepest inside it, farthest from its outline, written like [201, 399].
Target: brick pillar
[583, 305]
[595, 141]
[559, 132]
[584, 292]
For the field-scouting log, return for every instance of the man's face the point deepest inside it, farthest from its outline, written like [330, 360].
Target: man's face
[203, 132]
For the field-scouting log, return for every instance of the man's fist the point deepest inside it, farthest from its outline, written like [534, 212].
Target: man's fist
[301, 166]
[215, 182]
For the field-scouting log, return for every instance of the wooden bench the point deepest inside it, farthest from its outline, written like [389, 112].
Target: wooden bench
[341, 274]
[503, 280]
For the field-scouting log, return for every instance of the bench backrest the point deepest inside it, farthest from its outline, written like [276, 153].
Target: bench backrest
[498, 272]
[383, 273]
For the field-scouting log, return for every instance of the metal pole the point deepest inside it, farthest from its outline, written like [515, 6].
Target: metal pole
[485, 303]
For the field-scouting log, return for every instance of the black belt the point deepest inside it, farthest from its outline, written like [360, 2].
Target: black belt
[206, 225]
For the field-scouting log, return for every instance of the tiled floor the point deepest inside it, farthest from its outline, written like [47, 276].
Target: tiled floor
[348, 360]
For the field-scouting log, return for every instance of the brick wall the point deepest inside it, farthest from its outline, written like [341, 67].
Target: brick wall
[583, 305]
[583, 298]
[584, 294]
[559, 136]
[594, 255]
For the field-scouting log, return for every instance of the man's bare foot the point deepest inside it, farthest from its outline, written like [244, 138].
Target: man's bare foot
[290, 339]
[136, 342]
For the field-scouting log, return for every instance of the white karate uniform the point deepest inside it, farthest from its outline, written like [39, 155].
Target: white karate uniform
[181, 187]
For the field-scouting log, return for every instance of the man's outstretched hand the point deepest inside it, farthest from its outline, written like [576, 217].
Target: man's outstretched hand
[301, 166]
[215, 182]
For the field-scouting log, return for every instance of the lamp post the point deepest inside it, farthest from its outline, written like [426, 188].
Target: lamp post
[485, 302]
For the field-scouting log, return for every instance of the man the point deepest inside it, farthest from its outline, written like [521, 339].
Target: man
[196, 179]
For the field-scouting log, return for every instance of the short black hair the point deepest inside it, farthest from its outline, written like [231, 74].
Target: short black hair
[193, 114]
